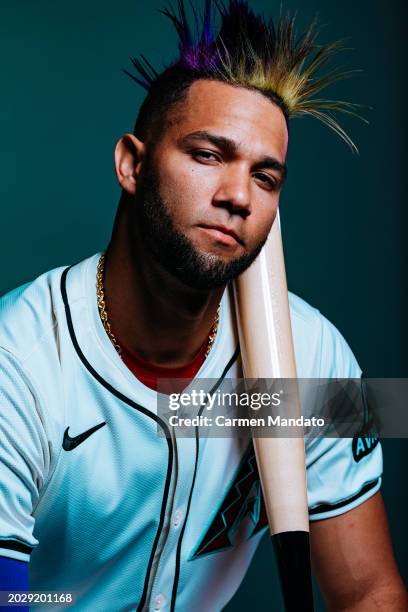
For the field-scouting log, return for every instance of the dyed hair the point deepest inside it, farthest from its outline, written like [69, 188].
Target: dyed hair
[248, 51]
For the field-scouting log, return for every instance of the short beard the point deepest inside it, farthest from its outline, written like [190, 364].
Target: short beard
[172, 250]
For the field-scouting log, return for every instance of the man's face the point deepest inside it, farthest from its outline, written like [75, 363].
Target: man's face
[209, 191]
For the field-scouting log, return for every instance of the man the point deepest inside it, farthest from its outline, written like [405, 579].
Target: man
[93, 501]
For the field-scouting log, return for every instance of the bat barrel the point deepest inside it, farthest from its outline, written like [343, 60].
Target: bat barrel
[293, 555]
[265, 334]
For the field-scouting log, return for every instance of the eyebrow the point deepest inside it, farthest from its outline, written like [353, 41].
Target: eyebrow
[230, 148]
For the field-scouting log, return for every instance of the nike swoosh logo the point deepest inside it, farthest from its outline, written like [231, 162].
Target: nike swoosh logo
[69, 443]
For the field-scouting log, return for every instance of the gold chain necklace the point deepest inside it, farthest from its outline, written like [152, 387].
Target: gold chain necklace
[100, 296]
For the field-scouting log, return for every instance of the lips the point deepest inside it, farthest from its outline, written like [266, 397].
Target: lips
[222, 234]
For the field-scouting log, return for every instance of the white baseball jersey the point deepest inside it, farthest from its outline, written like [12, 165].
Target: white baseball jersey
[102, 506]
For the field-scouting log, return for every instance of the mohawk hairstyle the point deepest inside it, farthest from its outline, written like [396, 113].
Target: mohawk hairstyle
[253, 52]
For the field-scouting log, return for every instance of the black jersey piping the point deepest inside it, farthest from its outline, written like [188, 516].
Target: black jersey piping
[141, 409]
[16, 546]
[328, 507]
[180, 541]
[163, 425]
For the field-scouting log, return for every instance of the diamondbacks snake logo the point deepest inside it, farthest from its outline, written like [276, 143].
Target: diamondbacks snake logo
[242, 513]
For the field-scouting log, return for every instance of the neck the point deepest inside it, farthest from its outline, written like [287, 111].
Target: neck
[149, 310]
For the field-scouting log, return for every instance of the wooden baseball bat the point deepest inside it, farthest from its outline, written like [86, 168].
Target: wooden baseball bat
[265, 335]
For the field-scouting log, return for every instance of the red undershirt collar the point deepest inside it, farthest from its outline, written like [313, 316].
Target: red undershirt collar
[148, 373]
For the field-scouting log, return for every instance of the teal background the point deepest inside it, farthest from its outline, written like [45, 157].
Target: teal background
[64, 103]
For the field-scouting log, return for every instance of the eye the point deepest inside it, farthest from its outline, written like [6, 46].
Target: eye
[266, 181]
[205, 156]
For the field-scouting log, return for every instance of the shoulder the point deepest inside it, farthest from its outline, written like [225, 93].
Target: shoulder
[27, 314]
[30, 314]
[320, 348]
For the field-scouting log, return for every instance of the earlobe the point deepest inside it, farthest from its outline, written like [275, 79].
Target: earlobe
[129, 153]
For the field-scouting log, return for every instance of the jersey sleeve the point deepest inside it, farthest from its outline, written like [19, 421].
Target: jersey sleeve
[24, 458]
[339, 478]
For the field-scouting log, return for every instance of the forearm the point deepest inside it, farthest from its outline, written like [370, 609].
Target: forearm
[391, 597]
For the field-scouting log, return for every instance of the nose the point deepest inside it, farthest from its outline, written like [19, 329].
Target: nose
[234, 191]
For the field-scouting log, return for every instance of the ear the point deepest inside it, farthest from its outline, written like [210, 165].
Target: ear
[129, 153]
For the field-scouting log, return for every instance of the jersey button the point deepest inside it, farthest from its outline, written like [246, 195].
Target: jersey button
[178, 515]
[158, 602]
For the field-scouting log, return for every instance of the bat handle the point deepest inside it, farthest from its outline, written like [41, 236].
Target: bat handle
[293, 554]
